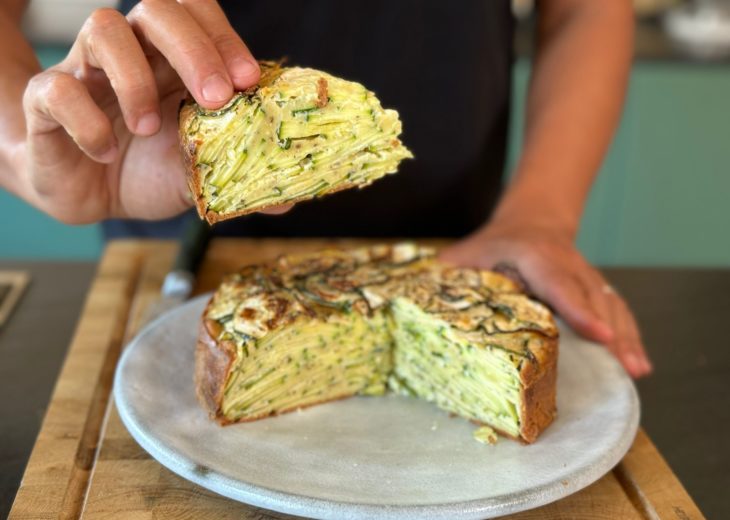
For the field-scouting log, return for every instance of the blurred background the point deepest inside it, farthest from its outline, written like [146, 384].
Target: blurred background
[661, 193]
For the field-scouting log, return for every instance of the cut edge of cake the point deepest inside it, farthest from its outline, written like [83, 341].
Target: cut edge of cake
[297, 135]
[215, 357]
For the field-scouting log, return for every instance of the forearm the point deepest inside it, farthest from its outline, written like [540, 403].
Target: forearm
[18, 63]
[575, 97]
[574, 103]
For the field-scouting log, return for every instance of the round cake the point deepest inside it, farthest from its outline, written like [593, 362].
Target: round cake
[306, 329]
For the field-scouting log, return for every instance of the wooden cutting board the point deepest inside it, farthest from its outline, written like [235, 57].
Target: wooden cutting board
[85, 464]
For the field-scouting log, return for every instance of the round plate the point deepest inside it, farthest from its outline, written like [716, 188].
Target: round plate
[366, 457]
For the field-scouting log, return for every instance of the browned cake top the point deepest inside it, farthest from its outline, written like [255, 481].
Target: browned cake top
[480, 304]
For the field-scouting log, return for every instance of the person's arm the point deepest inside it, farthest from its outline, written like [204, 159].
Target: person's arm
[574, 102]
[95, 136]
[18, 64]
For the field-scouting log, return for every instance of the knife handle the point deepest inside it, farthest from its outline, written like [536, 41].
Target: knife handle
[193, 244]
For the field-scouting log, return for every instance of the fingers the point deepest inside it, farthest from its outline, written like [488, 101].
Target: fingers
[588, 304]
[278, 210]
[551, 278]
[170, 28]
[107, 42]
[626, 342]
[549, 281]
[591, 285]
[600, 315]
[191, 36]
[558, 275]
[55, 99]
[242, 66]
[627, 345]
[569, 298]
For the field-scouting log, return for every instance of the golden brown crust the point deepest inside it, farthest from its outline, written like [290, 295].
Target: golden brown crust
[322, 92]
[189, 149]
[538, 391]
[538, 395]
[213, 360]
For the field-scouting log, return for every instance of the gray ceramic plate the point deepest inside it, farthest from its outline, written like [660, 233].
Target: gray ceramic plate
[377, 457]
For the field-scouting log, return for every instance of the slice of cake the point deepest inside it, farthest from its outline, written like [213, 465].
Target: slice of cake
[299, 134]
[306, 329]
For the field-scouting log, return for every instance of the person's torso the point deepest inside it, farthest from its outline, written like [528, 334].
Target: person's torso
[445, 66]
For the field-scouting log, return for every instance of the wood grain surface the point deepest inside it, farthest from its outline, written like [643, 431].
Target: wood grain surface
[85, 464]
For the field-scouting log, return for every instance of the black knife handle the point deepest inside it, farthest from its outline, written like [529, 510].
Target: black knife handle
[193, 244]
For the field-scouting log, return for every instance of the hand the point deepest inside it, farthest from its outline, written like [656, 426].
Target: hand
[558, 274]
[102, 125]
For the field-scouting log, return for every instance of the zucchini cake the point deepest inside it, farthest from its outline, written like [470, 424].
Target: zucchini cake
[310, 328]
[299, 134]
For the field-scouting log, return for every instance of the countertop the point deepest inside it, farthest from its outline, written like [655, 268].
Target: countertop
[683, 407]
[33, 344]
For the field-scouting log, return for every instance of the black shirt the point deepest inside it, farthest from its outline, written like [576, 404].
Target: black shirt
[445, 66]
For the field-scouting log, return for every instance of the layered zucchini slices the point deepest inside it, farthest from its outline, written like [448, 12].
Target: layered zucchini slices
[299, 134]
[311, 328]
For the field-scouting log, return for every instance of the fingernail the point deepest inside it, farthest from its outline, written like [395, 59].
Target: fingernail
[216, 89]
[242, 69]
[148, 124]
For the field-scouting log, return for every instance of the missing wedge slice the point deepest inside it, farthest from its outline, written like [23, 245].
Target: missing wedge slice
[299, 134]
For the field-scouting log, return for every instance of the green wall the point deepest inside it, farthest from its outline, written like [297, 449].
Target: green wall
[660, 198]
[27, 233]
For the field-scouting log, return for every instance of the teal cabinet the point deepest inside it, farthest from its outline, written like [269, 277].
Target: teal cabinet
[30, 234]
[661, 197]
